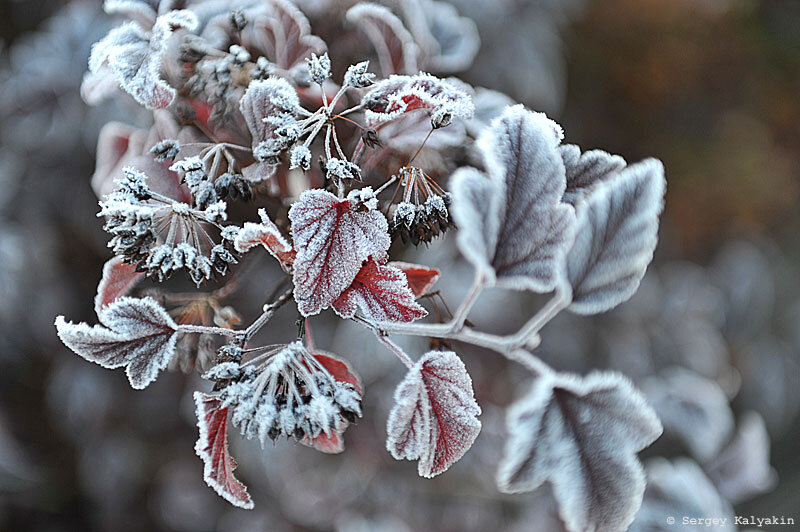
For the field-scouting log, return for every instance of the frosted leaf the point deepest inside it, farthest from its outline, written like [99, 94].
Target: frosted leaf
[332, 239]
[684, 401]
[319, 67]
[212, 448]
[742, 470]
[139, 11]
[118, 279]
[512, 224]
[616, 234]
[391, 98]
[587, 169]
[395, 47]
[435, 416]
[134, 333]
[281, 32]
[357, 75]
[267, 234]
[448, 42]
[420, 278]
[269, 107]
[381, 293]
[581, 435]
[134, 56]
[680, 488]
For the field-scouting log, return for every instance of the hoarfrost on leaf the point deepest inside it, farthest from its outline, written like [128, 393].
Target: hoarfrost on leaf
[212, 448]
[617, 231]
[332, 239]
[269, 108]
[267, 234]
[134, 333]
[381, 293]
[395, 47]
[392, 98]
[435, 416]
[134, 55]
[581, 435]
[512, 224]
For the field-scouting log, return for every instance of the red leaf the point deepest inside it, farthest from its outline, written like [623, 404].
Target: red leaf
[212, 448]
[435, 416]
[268, 235]
[420, 278]
[332, 238]
[118, 279]
[332, 444]
[391, 98]
[382, 293]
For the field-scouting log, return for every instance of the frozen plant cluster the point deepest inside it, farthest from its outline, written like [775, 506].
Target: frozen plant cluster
[263, 139]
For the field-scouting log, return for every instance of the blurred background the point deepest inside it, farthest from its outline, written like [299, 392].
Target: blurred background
[711, 87]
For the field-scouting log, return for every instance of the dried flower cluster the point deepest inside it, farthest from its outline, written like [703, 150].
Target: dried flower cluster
[251, 117]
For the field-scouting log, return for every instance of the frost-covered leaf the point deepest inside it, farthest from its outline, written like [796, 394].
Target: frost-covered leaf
[397, 52]
[281, 32]
[512, 224]
[212, 448]
[382, 293]
[98, 86]
[685, 401]
[435, 416]
[135, 333]
[680, 489]
[742, 470]
[268, 235]
[448, 42]
[420, 278]
[615, 237]
[118, 279]
[391, 98]
[581, 435]
[139, 11]
[587, 169]
[332, 238]
[134, 55]
[269, 107]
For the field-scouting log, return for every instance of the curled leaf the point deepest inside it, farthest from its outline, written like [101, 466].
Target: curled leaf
[420, 278]
[212, 448]
[382, 293]
[268, 235]
[435, 416]
[581, 435]
[397, 52]
[118, 279]
[616, 234]
[333, 238]
[134, 333]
